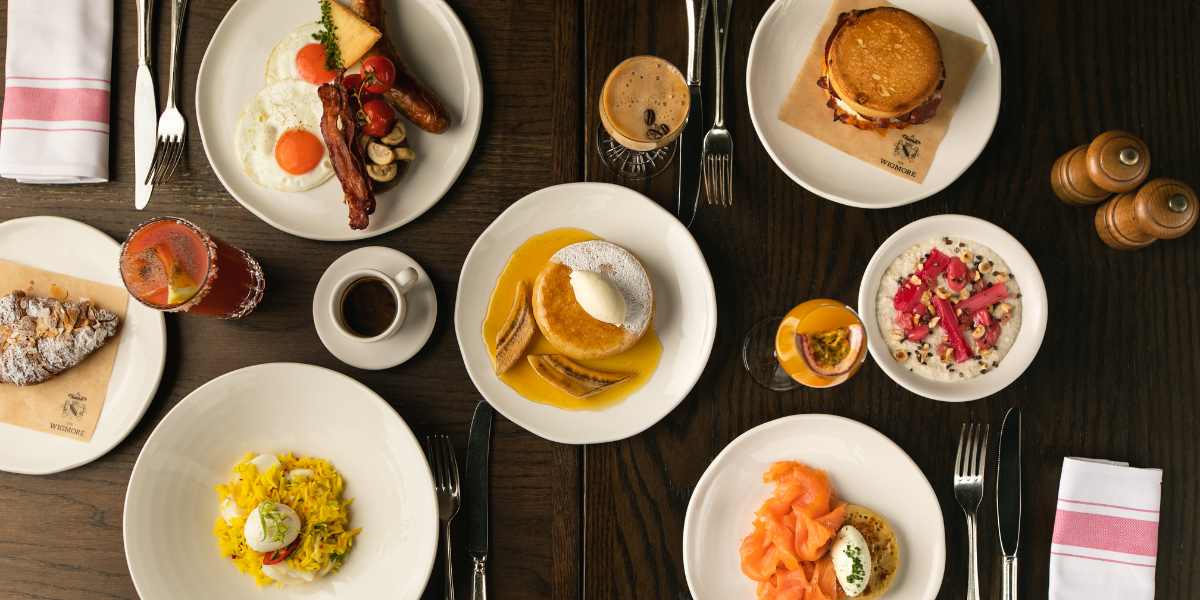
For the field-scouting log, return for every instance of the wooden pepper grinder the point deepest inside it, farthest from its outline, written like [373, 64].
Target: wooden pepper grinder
[1115, 162]
[1165, 208]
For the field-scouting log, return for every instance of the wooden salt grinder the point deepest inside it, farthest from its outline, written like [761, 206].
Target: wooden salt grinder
[1165, 208]
[1115, 162]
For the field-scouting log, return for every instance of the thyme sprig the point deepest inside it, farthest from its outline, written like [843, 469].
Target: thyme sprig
[328, 38]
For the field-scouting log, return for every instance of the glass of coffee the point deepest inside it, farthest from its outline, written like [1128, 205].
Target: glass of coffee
[643, 107]
[368, 305]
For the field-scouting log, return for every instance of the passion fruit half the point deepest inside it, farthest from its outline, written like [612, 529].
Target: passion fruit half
[834, 352]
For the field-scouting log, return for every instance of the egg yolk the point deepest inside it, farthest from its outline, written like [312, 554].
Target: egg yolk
[298, 151]
[310, 63]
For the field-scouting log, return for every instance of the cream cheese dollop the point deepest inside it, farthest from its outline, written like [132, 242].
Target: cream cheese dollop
[599, 296]
[851, 560]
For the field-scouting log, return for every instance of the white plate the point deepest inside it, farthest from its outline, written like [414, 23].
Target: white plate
[780, 45]
[171, 505]
[865, 468]
[434, 43]
[419, 318]
[1034, 306]
[87, 253]
[685, 314]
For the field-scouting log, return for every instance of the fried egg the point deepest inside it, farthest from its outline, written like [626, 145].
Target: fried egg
[299, 56]
[278, 138]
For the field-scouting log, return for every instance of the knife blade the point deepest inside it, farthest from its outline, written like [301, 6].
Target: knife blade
[691, 139]
[1008, 497]
[475, 496]
[145, 112]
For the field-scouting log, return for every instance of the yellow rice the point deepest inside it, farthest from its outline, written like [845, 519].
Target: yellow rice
[316, 500]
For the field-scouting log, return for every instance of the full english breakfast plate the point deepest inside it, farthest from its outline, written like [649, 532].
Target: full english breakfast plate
[260, 108]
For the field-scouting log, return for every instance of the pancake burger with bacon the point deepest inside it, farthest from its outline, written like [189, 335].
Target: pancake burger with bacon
[883, 70]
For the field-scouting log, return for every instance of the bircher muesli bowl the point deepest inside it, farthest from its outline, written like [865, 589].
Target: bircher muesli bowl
[953, 267]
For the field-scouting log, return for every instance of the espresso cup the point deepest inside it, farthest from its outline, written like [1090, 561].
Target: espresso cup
[368, 310]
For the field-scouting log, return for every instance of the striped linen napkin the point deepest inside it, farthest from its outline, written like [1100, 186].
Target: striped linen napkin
[1105, 531]
[54, 127]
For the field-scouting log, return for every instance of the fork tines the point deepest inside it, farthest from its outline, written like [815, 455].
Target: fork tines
[972, 453]
[167, 153]
[718, 179]
[440, 454]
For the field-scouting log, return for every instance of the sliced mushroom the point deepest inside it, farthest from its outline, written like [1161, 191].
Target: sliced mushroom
[382, 173]
[363, 140]
[405, 154]
[382, 155]
[396, 136]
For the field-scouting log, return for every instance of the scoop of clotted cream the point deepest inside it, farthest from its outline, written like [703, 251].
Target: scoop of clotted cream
[598, 296]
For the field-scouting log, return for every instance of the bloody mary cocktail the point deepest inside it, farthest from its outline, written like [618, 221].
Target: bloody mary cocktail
[172, 265]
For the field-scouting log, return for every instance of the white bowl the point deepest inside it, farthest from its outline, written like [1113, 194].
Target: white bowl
[781, 42]
[170, 506]
[865, 468]
[685, 313]
[1034, 306]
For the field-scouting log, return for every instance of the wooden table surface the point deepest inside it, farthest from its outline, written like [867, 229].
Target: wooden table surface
[1116, 377]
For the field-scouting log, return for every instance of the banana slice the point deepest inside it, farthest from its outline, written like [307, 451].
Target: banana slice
[575, 379]
[514, 336]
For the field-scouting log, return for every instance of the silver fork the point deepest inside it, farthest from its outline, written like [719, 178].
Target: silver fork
[172, 128]
[968, 489]
[440, 454]
[717, 157]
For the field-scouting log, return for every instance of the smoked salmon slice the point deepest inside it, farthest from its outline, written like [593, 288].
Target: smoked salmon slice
[787, 553]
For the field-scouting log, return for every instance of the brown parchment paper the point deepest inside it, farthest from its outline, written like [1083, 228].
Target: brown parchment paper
[905, 153]
[68, 405]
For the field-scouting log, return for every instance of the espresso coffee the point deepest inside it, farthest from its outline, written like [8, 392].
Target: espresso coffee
[644, 103]
[368, 307]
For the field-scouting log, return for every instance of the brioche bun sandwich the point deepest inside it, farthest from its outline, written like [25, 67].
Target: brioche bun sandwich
[882, 70]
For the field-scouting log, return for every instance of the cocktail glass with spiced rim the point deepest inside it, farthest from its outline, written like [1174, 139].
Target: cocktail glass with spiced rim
[643, 107]
[172, 265]
[820, 343]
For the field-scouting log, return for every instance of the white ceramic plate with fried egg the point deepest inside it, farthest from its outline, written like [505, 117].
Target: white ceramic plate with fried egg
[171, 506]
[864, 467]
[781, 43]
[82, 251]
[685, 312]
[436, 46]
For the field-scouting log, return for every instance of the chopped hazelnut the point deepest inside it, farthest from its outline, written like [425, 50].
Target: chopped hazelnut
[900, 356]
[1001, 277]
[966, 256]
[979, 331]
[985, 267]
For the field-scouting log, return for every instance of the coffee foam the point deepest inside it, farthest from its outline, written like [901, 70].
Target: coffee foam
[641, 83]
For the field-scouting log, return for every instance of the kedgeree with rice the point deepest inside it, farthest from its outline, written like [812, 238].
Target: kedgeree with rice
[283, 520]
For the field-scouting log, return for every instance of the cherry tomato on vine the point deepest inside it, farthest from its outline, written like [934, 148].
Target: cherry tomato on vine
[385, 73]
[380, 118]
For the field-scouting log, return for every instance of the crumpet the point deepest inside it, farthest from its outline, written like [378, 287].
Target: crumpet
[885, 550]
[567, 325]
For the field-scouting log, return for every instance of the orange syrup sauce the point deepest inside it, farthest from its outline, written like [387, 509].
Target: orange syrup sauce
[525, 264]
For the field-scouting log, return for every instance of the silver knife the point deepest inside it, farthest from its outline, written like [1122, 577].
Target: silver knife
[1008, 497]
[691, 140]
[475, 497]
[145, 113]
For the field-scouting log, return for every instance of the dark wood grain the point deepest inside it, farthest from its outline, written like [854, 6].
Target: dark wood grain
[62, 534]
[1115, 378]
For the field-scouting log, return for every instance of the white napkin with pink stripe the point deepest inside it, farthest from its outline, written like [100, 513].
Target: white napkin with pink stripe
[57, 81]
[1105, 531]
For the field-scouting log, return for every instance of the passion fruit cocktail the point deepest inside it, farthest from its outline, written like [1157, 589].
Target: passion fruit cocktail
[172, 265]
[820, 343]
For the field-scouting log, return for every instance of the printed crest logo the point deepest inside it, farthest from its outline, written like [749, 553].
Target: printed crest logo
[907, 148]
[74, 407]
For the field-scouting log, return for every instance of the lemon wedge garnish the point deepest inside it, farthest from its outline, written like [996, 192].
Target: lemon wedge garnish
[181, 287]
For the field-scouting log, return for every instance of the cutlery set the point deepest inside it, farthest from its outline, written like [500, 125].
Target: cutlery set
[969, 468]
[707, 159]
[473, 492]
[159, 142]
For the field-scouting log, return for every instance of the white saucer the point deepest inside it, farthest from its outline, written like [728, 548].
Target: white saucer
[418, 322]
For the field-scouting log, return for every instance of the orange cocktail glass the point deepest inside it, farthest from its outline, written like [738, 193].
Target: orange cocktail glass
[172, 265]
[819, 343]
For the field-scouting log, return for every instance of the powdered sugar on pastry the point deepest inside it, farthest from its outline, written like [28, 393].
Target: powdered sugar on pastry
[42, 337]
